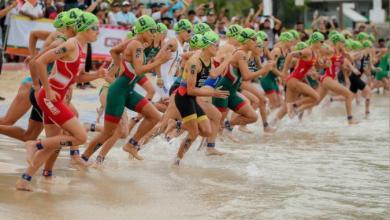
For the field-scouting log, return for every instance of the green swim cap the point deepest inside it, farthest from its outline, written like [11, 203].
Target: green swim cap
[143, 24]
[348, 43]
[301, 46]
[316, 37]
[130, 34]
[259, 41]
[332, 32]
[234, 30]
[197, 41]
[362, 36]
[201, 28]
[247, 34]
[161, 28]
[337, 37]
[263, 35]
[210, 38]
[356, 45]
[58, 23]
[86, 21]
[371, 37]
[71, 16]
[286, 37]
[182, 25]
[295, 34]
[367, 44]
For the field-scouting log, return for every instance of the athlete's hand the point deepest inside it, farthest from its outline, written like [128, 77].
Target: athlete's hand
[27, 60]
[377, 69]
[221, 93]
[270, 65]
[163, 56]
[160, 82]
[52, 95]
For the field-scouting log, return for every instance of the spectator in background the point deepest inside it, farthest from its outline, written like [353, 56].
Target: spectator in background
[168, 22]
[49, 10]
[301, 30]
[158, 10]
[381, 43]
[125, 18]
[32, 10]
[272, 33]
[200, 12]
[4, 12]
[69, 4]
[101, 15]
[192, 17]
[115, 9]
[223, 15]
[211, 19]
[221, 28]
[139, 10]
[59, 7]
[175, 5]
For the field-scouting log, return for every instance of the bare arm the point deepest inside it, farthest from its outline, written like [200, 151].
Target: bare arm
[33, 39]
[135, 51]
[5, 11]
[93, 6]
[244, 69]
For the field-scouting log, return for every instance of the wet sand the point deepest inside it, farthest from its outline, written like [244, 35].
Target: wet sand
[319, 168]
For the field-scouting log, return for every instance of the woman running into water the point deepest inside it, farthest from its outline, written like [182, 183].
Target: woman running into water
[121, 92]
[21, 103]
[57, 115]
[196, 71]
[65, 25]
[294, 83]
[238, 71]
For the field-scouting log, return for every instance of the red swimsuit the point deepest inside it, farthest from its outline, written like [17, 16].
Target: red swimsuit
[337, 61]
[64, 76]
[302, 69]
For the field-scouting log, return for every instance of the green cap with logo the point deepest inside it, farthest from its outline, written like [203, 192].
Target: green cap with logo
[301, 46]
[234, 31]
[197, 41]
[210, 38]
[247, 34]
[362, 36]
[337, 37]
[182, 25]
[316, 37]
[161, 28]
[295, 34]
[72, 16]
[201, 28]
[58, 23]
[367, 44]
[143, 24]
[263, 35]
[286, 37]
[85, 21]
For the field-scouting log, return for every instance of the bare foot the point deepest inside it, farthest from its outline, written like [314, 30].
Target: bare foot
[131, 150]
[31, 149]
[269, 130]
[231, 137]
[244, 129]
[176, 162]
[77, 161]
[353, 122]
[211, 151]
[23, 185]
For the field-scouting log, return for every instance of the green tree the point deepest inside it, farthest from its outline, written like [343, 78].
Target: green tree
[236, 7]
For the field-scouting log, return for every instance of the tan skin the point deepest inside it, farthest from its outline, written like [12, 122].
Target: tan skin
[194, 127]
[295, 87]
[21, 103]
[171, 111]
[247, 114]
[67, 51]
[134, 54]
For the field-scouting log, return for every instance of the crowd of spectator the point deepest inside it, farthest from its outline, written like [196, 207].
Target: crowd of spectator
[125, 12]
